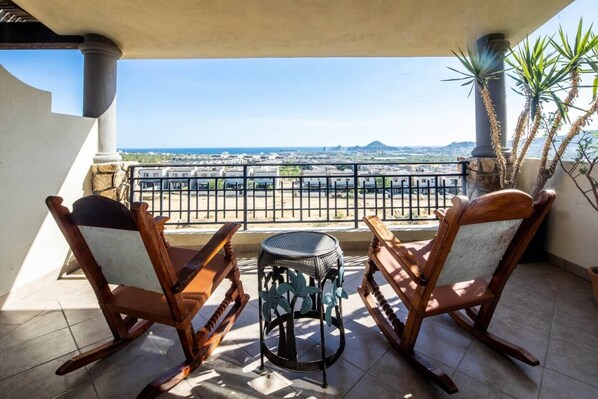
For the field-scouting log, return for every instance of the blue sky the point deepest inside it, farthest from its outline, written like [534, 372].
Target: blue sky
[278, 102]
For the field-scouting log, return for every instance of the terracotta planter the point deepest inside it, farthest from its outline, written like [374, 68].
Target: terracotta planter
[593, 272]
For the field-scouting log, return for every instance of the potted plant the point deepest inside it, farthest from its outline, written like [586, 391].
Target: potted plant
[547, 73]
[583, 170]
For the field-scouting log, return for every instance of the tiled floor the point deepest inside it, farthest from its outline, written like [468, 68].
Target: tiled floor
[544, 309]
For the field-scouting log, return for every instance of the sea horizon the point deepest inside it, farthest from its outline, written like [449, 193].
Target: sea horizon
[220, 150]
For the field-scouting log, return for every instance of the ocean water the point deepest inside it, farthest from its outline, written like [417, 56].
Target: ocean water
[220, 150]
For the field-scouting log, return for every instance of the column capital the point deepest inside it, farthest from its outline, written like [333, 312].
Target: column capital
[99, 91]
[496, 42]
[98, 44]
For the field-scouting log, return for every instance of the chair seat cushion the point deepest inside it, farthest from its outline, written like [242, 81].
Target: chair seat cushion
[153, 306]
[444, 298]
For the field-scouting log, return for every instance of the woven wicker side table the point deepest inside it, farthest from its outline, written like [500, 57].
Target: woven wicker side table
[283, 262]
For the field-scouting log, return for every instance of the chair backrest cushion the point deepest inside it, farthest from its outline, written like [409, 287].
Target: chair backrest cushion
[477, 250]
[112, 235]
[122, 256]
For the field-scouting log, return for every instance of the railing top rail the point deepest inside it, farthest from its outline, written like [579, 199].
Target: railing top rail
[182, 165]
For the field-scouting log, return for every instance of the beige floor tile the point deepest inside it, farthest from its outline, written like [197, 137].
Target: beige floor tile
[534, 320]
[341, 377]
[85, 391]
[395, 372]
[573, 360]
[60, 290]
[442, 344]
[523, 336]
[369, 387]
[544, 309]
[557, 386]
[230, 373]
[363, 345]
[17, 316]
[6, 329]
[42, 324]
[181, 390]
[75, 316]
[41, 381]
[503, 373]
[25, 355]
[473, 389]
[91, 331]
[167, 340]
[128, 380]
[141, 349]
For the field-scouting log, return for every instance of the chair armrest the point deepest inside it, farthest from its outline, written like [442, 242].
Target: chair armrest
[408, 262]
[440, 213]
[160, 221]
[204, 255]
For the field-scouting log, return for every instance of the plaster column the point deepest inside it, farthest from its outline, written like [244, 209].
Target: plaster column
[496, 43]
[99, 92]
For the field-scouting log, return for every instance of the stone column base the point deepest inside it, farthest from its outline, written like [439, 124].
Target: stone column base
[482, 176]
[111, 180]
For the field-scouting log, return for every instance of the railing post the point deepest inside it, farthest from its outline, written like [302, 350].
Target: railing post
[464, 176]
[245, 187]
[355, 193]
[132, 184]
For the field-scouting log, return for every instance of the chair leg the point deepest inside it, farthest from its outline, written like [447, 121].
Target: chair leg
[429, 371]
[394, 330]
[206, 342]
[103, 350]
[494, 341]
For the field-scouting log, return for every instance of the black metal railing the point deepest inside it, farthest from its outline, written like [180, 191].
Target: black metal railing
[319, 193]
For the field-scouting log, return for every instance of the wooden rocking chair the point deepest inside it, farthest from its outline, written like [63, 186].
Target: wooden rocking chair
[466, 265]
[155, 283]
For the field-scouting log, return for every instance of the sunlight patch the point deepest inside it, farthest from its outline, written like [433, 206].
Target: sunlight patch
[269, 383]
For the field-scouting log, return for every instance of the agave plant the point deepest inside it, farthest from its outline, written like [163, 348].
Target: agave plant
[542, 71]
[583, 51]
[538, 75]
[480, 68]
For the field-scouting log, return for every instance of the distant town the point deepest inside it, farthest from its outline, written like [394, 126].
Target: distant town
[373, 152]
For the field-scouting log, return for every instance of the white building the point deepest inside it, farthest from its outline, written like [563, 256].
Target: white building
[153, 178]
[205, 175]
[264, 176]
[182, 178]
[234, 177]
[314, 178]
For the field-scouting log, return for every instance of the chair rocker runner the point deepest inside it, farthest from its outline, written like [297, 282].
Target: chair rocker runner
[476, 248]
[155, 282]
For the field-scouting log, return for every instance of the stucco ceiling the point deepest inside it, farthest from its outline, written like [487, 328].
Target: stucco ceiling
[292, 28]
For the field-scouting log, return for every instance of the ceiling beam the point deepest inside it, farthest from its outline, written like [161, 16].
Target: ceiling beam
[34, 35]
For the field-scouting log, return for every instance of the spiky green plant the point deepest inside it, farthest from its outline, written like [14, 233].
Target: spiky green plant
[480, 68]
[542, 70]
[538, 76]
[576, 55]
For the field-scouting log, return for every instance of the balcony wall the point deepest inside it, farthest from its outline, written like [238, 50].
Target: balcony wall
[41, 154]
[572, 222]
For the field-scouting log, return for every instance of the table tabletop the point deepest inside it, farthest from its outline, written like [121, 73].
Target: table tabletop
[310, 252]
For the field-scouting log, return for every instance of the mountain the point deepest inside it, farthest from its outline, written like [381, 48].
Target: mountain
[460, 148]
[458, 145]
[373, 146]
